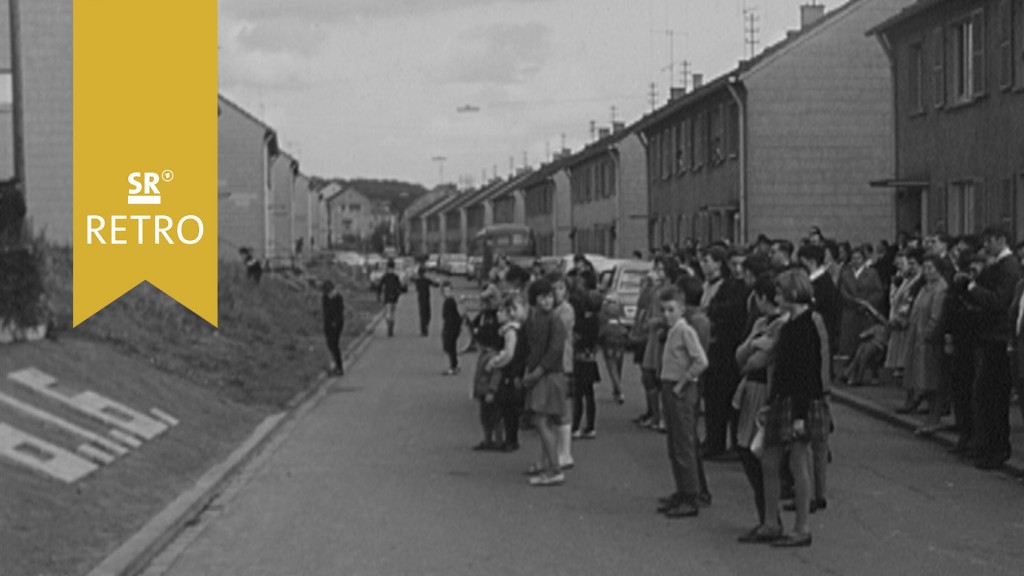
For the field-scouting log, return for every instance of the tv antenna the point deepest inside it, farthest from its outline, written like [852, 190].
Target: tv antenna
[440, 168]
[751, 29]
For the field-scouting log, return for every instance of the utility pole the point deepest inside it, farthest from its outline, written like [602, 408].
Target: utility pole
[440, 168]
[17, 100]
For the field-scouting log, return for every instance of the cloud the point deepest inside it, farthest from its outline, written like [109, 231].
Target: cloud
[321, 10]
[503, 53]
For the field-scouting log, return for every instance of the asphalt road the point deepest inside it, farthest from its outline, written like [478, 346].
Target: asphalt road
[379, 479]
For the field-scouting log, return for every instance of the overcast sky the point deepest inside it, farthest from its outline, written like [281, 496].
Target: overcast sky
[371, 88]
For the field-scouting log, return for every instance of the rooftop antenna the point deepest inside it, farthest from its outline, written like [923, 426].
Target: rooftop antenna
[525, 163]
[686, 73]
[671, 57]
[563, 140]
[593, 130]
[653, 96]
[613, 114]
[751, 29]
[547, 150]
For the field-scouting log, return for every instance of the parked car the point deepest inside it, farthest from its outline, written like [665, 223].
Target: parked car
[622, 284]
[456, 265]
[473, 265]
[432, 262]
[350, 258]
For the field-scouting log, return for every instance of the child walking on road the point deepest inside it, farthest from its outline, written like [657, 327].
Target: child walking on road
[452, 324]
[390, 288]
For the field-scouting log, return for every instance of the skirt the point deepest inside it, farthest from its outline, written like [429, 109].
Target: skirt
[748, 400]
[547, 396]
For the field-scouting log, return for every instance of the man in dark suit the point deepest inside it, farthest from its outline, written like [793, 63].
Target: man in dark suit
[827, 301]
[992, 292]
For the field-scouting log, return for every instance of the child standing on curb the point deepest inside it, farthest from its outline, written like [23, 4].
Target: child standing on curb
[544, 381]
[683, 361]
[452, 324]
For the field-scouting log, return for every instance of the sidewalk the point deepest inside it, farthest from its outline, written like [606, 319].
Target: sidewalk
[881, 401]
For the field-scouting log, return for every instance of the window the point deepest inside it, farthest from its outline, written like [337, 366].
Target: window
[691, 152]
[1019, 41]
[1006, 61]
[915, 78]
[655, 153]
[355, 207]
[700, 130]
[938, 68]
[680, 147]
[961, 212]
[732, 134]
[6, 89]
[666, 154]
[968, 74]
[716, 144]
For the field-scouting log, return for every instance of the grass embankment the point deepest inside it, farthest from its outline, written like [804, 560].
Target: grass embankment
[145, 350]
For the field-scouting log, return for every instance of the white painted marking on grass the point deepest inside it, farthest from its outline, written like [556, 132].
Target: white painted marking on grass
[92, 404]
[125, 438]
[95, 454]
[74, 429]
[164, 417]
[42, 456]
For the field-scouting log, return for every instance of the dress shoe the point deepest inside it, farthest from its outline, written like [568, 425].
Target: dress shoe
[682, 510]
[762, 535]
[793, 541]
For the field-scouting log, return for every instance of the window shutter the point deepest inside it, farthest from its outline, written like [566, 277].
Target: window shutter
[938, 70]
[978, 51]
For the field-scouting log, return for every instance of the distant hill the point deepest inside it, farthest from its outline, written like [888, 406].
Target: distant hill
[399, 194]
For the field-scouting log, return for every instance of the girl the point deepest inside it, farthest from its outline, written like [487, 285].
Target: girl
[487, 380]
[585, 369]
[544, 380]
[794, 412]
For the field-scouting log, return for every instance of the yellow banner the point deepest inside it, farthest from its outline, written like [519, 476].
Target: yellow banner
[145, 152]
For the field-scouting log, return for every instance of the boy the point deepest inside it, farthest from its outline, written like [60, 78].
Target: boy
[390, 288]
[451, 325]
[567, 315]
[333, 304]
[683, 361]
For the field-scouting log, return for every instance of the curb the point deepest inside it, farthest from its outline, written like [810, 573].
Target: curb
[138, 551]
[1013, 466]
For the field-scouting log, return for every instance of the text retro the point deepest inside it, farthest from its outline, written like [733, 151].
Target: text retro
[148, 228]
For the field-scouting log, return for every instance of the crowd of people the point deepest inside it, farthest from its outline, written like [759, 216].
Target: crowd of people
[753, 338]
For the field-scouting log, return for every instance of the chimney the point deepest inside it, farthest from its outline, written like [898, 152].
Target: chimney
[698, 81]
[618, 127]
[603, 133]
[810, 14]
[677, 92]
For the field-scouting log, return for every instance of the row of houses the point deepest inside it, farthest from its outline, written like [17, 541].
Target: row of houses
[265, 202]
[875, 118]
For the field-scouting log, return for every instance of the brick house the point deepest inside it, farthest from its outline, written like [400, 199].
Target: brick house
[608, 193]
[787, 140]
[35, 110]
[246, 150]
[958, 71]
[547, 209]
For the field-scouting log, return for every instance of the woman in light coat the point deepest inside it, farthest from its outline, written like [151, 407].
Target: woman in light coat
[924, 332]
[901, 300]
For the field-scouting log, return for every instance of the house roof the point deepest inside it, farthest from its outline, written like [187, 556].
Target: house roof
[422, 211]
[548, 170]
[601, 145]
[511, 184]
[270, 131]
[903, 15]
[747, 67]
[442, 206]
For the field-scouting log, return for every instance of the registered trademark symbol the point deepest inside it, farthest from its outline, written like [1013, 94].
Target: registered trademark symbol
[167, 175]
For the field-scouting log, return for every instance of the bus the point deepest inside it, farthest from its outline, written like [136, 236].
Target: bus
[515, 241]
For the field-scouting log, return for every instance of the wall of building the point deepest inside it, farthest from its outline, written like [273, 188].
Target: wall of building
[241, 157]
[6, 97]
[46, 59]
[820, 128]
[539, 205]
[283, 177]
[957, 146]
[301, 204]
[453, 232]
[562, 243]
[631, 229]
